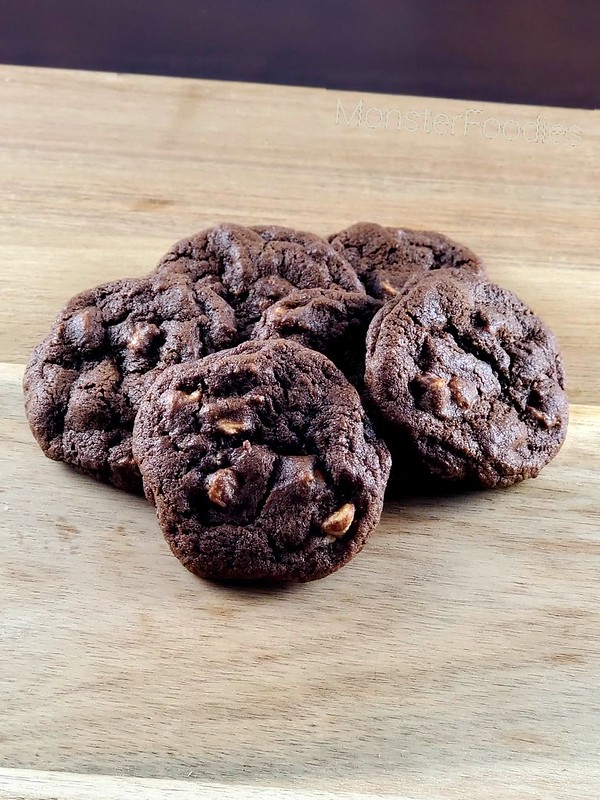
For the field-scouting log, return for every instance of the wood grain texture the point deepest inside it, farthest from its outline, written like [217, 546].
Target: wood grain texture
[459, 655]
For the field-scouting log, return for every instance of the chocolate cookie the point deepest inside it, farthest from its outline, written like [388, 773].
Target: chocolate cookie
[261, 463]
[254, 267]
[386, 258]
[468, 379]
[332, 321]
[85, 381]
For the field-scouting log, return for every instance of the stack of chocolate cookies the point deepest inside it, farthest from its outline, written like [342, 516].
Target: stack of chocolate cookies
[255, 384]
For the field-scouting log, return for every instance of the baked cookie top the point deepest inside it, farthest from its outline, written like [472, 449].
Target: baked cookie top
[261, 463]
[466, 376]
[84, 382]
[254, 267]
[385, 258]
[332, 321]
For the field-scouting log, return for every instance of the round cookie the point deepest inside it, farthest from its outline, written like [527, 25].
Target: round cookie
[255, 267]
[84, 382]
[261, 463]
[467, 378]
[385, 259]
[332, 321]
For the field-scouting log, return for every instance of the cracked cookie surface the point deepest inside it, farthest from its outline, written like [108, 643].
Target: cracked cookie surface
[467, 379]
[386, 259]
[332, 321]
[261, 462]
[84, 382]
[252, 268]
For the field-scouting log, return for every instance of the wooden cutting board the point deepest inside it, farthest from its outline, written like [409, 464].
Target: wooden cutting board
[459, 655]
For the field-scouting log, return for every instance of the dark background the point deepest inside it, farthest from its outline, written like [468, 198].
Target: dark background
[525, 51]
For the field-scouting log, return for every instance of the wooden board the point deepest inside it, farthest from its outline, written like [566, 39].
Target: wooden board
[459, 655]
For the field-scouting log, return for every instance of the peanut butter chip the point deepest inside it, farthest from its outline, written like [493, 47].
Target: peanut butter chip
[433, 383]
[174, 399]
[435, 395]
[338, 523]
[142, 337]
[277, 312]
[388, 289]
[545, 420]
[221, 487]
[229, 426]
[303, 468]
[463, 393]
[194, 396]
